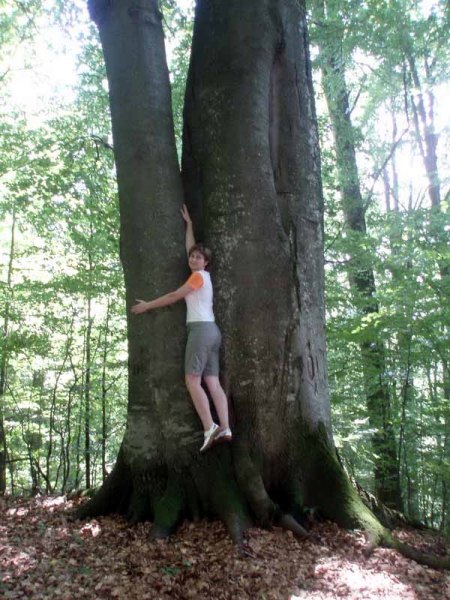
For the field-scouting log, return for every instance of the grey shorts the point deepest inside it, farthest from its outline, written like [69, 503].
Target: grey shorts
[202, 348]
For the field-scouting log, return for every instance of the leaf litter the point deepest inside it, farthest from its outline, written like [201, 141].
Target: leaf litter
[44, 554]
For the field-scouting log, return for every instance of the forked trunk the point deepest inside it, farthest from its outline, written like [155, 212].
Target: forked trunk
[252, 178]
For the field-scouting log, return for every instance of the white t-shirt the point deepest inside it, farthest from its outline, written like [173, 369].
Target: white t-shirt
[199, 302]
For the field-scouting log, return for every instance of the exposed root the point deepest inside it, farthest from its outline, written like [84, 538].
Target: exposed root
[389, 517]
[288, 522]
[169, 510]
[113, 496]
[329, 489]
[235, 528]
[139, 508]
[228, 484]
[423, 558]
[252, 486]
[228, 502]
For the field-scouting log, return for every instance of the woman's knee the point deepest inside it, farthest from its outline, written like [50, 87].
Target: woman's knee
[212, 383]
[192, 381]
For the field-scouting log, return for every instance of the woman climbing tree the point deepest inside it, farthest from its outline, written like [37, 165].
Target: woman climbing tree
[204, 338]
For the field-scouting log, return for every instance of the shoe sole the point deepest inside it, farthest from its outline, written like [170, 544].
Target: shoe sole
[223, 438]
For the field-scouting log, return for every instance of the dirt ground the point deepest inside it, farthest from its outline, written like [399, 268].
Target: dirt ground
[43, 554]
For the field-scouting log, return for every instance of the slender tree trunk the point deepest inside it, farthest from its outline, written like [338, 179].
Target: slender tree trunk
[386, 471]
[3, 455]
[426, 135]
[4, 356]
[395, 184]
[68, 441]
[78, 442]
[104, 393]
[87, 395]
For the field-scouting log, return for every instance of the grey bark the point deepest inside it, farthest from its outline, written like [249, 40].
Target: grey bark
[426, 136]
[252, 179]
[87, 388]
[162, 431]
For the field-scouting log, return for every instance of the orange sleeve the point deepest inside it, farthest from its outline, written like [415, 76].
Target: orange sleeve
[195, 281]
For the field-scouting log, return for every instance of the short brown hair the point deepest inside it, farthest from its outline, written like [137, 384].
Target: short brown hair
[204, 251]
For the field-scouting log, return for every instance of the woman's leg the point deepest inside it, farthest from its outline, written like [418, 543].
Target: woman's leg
[200, 400]
[219, 398]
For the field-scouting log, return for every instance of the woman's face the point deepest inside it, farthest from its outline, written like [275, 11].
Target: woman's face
[197, 261]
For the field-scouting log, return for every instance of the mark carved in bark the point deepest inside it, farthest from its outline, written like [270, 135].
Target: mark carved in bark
[311, 368]
[145, 15]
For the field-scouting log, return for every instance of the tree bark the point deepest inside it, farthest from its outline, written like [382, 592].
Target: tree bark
[105, 392]
[160, 442]
[87, 386]
[426, 136]
[252, 180]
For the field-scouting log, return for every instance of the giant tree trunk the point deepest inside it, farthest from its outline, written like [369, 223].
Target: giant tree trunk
[252, 177]
[252, 180]
[361, 276]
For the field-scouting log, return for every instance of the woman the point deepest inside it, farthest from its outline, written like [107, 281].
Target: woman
[202, 348]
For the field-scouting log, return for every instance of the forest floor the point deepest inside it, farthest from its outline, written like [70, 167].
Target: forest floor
[44, 554]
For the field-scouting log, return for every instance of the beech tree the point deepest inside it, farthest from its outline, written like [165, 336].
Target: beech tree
[361, 275]
[251, 179]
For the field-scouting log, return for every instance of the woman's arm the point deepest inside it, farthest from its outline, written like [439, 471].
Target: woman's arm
[165, 300]
[190, 239]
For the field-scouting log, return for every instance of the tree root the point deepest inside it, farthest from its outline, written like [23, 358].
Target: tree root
[169, 510]
[340, 502]
[288, 522]
[262, 506]
[423, 558]
[113, 496]
[388, 517]
[229, 485]
[227, 500]
[252, 486]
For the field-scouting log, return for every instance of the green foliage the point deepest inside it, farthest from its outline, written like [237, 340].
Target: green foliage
[387, 67]
[62, 278]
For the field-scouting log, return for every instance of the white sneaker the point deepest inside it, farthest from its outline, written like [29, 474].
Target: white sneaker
[224, 435]
[210, 436]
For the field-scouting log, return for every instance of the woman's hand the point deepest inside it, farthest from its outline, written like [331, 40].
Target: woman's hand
[185, 214]
[140, 308]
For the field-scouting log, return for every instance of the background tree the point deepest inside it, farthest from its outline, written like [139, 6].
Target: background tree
[361, 275]
[393, 241]
[56, 182]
